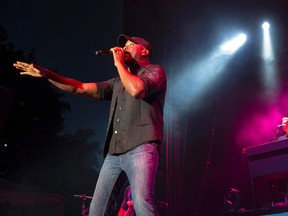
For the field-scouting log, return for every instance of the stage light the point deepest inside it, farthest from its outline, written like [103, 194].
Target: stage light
[268, 67]
[231, 46]
[198, 77]
[266, 26]
[267, 53]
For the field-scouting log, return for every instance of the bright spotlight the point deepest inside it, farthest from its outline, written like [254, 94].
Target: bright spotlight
[267, 46]
[269, 76]
[265, 25]
[231, 46]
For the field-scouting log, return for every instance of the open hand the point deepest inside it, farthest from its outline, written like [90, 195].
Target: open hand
[29, 69]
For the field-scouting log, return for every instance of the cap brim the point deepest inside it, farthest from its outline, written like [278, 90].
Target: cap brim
[122, 39]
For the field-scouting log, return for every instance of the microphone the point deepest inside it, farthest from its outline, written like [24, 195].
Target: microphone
[103, 52]
[281, 125]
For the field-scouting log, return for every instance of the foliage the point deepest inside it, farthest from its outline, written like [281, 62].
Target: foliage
[38, 154]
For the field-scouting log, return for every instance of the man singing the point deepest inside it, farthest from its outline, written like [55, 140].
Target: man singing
[135, 125]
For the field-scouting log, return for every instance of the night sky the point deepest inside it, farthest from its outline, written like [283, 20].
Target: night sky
[206, 126]
[64, 36]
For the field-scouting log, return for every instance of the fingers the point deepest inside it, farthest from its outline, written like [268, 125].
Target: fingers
[117, 50]
[24, 66]
[118, 55]
[24, 73]
[21, 65]
[27, 69]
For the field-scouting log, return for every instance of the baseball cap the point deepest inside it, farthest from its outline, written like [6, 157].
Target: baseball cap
[122, 39]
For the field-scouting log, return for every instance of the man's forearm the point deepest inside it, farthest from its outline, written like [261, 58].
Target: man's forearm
[63, 83]
[63, 87]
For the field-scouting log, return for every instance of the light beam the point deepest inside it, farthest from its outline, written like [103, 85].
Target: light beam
[233, 45]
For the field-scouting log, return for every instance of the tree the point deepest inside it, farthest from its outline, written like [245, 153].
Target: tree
[37, 153]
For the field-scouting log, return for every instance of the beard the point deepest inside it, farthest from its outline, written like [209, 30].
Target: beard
[128, 60]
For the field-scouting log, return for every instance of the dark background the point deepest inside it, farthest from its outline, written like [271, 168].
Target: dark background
[55, 140]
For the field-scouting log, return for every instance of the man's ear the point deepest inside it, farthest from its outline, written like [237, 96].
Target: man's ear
[145, 52]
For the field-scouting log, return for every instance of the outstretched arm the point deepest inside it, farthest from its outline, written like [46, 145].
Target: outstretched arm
[63, 83]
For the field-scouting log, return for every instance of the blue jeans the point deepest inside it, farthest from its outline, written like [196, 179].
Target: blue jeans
[140, 166]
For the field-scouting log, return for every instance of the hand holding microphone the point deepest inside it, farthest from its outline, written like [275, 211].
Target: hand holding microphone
[106, 52]
[127, 56]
